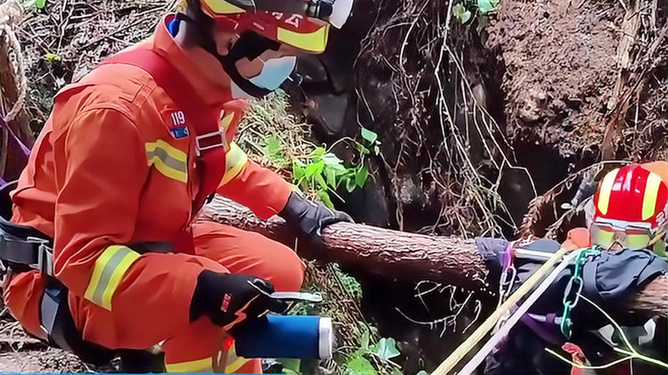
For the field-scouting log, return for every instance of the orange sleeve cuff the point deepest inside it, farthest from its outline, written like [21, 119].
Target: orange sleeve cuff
[263, 191]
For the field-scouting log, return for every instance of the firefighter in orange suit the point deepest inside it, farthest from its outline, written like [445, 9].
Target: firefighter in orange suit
[122, 167]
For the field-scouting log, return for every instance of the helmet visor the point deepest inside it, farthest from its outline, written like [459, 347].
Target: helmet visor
[629, 237]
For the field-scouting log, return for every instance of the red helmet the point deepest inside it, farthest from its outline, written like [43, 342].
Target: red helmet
[303, 24]
[632, 194]
[630, 208]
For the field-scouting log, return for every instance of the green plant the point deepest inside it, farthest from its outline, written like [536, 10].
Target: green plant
[474, 10]
[323, 172]
[35, 4]
[52, 58]
[350, 284]
[384, 350]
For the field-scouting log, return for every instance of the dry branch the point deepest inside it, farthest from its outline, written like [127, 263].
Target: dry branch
[404, 256]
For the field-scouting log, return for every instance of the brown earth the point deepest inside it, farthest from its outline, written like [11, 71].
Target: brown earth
[564, 62]
[560, 61]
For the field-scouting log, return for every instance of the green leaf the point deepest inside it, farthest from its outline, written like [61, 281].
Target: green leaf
[361, 176]
[321, 181]
[325, 199]
[290, 364]
[338, 168]
[461, 13]
[330, 176]
[376, 150]
[331, 159]
[318, 152]
[368, 135]
[364, 340]
[40, 4]
[51, 58]
[350, 184]
[314, 169]
[483, 22]
[288, 371]
[359, 365]
[385, 349]
[486, 6]
[298, 171]
[465, 17]
[273, 145]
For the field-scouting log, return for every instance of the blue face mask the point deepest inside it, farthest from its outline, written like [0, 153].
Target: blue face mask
[274, 73]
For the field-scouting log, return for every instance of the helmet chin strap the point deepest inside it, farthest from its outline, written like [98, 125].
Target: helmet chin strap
[250, 45]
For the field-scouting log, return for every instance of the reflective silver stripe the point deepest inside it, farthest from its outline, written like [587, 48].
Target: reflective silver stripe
[167, 159]
[108, 270]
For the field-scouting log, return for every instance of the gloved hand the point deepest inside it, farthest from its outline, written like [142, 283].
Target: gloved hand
[308, 218]
[229, 299]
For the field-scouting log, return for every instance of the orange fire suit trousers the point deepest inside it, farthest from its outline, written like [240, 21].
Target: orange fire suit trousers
[197, 347]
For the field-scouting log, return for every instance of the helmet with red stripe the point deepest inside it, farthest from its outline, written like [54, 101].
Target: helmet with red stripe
[263, 26]
[630, 209]
[303, 24]
[632, 194]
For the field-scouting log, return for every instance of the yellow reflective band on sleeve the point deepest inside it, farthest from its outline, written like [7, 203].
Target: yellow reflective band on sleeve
[651, 193]
[226, 121]
[311, 42]
[236, 365]
[606, 190]
[235, 159]
[109, 269]
[168, 160]
[200, 365]
[223, 7]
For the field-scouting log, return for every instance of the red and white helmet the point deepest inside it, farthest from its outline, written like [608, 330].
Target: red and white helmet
[630, 208]
[303, 24]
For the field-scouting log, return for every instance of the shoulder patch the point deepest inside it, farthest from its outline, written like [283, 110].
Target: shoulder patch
[175, 120]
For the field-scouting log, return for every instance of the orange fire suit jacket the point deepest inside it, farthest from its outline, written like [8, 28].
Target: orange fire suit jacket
[107, 172]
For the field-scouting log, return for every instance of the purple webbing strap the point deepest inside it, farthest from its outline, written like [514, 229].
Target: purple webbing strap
[5, 125]
[544, 327]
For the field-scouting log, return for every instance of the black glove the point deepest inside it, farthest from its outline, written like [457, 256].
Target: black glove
[308, 219]
[229, 299]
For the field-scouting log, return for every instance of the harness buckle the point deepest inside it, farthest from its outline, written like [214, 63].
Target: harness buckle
[44, 255]
[210, 140]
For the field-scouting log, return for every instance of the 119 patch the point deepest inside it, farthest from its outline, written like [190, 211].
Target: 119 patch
[176, 123]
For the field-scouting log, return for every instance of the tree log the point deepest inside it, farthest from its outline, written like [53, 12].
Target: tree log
[392, 254]
[404, 256]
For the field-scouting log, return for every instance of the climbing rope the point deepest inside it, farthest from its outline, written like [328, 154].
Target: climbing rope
[453, 359]
[513, 319]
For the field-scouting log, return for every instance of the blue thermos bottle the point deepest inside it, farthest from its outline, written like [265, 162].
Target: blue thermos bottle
[286, 336]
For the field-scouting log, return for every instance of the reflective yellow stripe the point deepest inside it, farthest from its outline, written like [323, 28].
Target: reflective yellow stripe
[168, 160]
[312, 42]
[108, 272]
[200, 365]
[234, 362]
[226, 121]
[236, 365]
[651, 193]
[223, 7]
[606, 190]
[235, 159]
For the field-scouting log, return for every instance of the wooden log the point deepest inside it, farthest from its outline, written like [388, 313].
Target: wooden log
[392, 254]
[403, 256]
